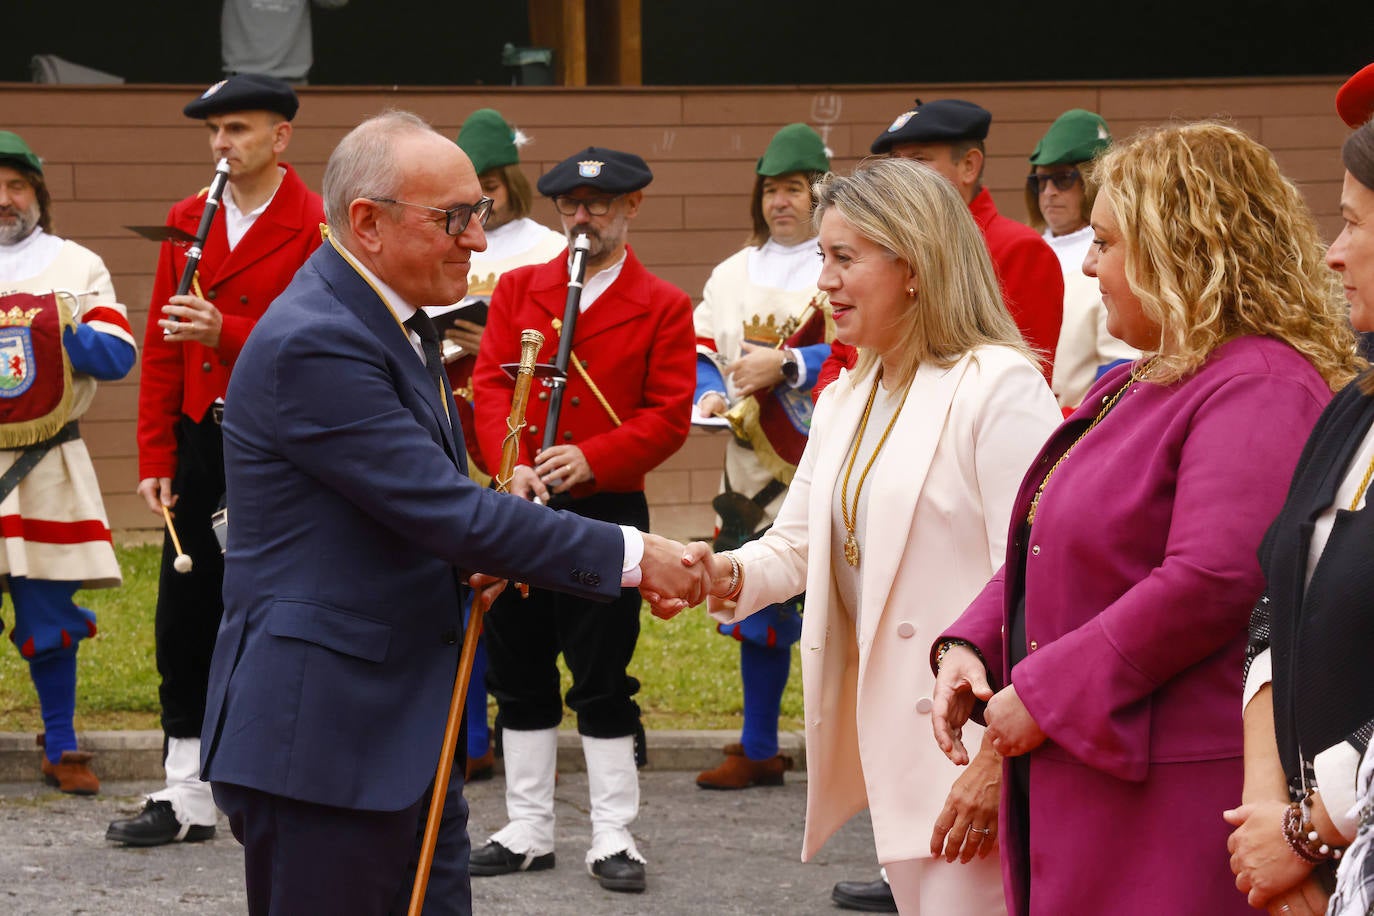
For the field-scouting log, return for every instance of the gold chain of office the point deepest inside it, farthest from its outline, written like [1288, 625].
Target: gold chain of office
[851, 515]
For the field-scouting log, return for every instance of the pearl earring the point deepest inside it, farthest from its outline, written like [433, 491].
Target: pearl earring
[911, 291]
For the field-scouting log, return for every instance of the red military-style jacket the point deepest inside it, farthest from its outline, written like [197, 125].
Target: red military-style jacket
[186, 378]
[1028, 269]
[637, 344]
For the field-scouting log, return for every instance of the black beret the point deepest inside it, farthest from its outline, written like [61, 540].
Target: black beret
[245, 92]
[595, 167]
[940, 121]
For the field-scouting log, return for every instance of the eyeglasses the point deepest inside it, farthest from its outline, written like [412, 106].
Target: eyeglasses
[455, 218]
[596, 206]
[1062, 180]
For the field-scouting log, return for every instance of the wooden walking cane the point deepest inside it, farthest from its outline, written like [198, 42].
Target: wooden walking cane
[530, 342]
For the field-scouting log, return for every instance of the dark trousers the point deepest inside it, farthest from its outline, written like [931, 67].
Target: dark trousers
[190, 605]
[301, 858]
[525, 636]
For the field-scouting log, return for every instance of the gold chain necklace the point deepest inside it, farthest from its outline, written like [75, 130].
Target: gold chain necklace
[1364, 485]
[1140, 372]
[851, 517]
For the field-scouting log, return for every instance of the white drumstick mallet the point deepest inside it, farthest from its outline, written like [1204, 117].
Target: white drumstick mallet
[182, 563]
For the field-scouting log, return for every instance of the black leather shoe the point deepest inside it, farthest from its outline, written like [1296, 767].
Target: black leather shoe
[869, 896]
[619, 873]
[155, 825]
[495, 859]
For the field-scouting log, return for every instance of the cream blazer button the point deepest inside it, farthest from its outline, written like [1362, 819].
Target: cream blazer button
[906, 629]
[924, 705]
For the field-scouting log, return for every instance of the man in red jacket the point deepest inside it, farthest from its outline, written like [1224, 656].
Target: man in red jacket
[266, 227]
[634, 340]
[948, 135]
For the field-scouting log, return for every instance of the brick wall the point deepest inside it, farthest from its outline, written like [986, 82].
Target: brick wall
[117, 156]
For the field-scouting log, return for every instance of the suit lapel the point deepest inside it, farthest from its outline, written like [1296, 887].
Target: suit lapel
[357, 294]
[897, 479]
[834, 446]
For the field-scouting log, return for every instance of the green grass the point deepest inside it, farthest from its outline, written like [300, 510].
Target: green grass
[689, 673]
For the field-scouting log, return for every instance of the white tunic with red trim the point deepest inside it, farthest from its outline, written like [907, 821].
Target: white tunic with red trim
[53, 524]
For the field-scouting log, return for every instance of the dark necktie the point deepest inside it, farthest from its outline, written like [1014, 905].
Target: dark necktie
[424, 328]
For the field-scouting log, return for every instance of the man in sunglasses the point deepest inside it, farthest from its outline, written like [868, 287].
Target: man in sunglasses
[624, 413]
[1060, 191]
[267, 225]
[354, 528]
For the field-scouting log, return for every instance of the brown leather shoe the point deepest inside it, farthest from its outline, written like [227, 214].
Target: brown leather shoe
[739, 772]
[480, 768]
[733, 749]
[72, 774]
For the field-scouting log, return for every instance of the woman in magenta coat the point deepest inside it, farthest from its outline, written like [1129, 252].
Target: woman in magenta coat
[1108, 649]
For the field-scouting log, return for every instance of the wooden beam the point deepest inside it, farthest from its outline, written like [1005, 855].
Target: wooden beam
[630, 56]
[562, 25]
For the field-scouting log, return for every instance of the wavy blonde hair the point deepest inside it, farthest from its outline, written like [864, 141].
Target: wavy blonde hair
[918, 217]
[1220, 245]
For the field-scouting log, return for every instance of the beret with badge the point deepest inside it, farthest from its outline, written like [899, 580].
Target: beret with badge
[13, 150]
[1075, 136]
[245, 92]
[940, 121]
[606, 170]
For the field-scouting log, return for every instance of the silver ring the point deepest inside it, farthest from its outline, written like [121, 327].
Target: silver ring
[1285, 908]
[983, 830]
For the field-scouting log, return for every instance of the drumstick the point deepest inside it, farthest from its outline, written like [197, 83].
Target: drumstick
[182, 563]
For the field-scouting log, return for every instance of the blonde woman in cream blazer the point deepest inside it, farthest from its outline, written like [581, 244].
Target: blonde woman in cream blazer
[943, 369]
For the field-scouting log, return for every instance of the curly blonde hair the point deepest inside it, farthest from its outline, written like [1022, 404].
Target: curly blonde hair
[1220, 245]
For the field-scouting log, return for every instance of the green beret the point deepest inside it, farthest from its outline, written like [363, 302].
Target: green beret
[795, 148]
[1075, 136]
[488, 140]
[14, 149]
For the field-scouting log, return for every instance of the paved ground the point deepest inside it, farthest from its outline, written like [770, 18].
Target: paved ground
[709, 853]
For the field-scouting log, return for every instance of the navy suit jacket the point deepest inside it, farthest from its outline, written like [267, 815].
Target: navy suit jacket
[354, 528]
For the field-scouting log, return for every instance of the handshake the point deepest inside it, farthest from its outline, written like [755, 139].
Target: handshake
[677, 576]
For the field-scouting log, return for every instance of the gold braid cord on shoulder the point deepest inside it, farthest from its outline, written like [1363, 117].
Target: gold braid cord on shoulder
[577, 364]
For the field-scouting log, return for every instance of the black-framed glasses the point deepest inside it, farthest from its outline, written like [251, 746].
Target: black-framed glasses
[596, 206]
[1063, 180]
[455, 218]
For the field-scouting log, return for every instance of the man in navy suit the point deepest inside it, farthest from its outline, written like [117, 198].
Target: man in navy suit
[354, 528]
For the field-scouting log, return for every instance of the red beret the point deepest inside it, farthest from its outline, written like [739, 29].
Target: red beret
[1355, 100]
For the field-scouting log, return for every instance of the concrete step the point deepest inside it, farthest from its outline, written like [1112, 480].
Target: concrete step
[137, 755]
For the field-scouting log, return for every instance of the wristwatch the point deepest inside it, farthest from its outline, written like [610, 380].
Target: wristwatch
[790, 370]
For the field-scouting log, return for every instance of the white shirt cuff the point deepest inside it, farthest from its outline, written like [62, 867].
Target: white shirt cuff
[1261, 672]
[630, 574]
[1336, 768]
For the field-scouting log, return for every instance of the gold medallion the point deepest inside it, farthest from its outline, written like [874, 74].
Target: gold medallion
[851, 549]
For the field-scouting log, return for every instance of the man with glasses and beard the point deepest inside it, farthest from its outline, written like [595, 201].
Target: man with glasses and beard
[624, 413]
[56, 537]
